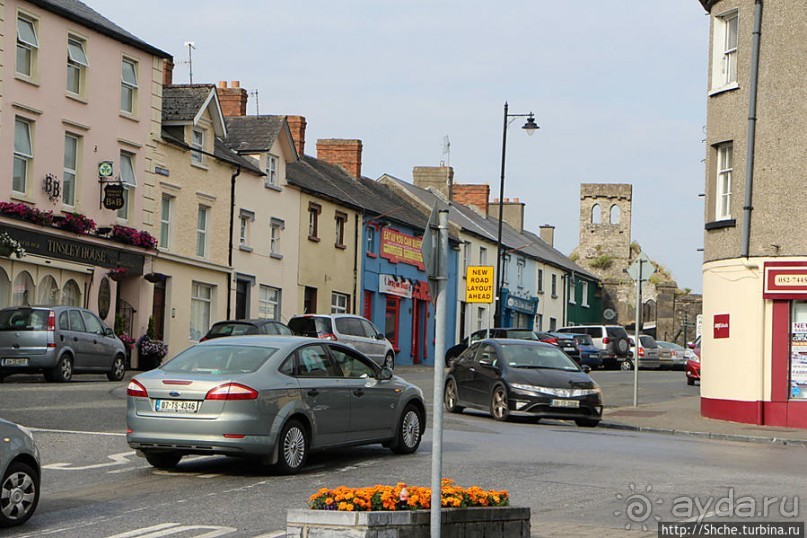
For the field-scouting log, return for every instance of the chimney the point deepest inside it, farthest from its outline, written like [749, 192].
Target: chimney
[512, 212]
[233, 99]
[548, 234]
[341, 152]
[474, 196]
[439, 178]
[297, 127]
[168, 72]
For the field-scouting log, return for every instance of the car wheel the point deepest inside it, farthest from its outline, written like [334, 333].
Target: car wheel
[587, 422]
[499, 406]
[389, 361]
[163, 460]
[63, 371]
[626, 365]
[409, 432]
[450, 397]
[118, 369]
[19, 494]
[690, 381]
[293, 447]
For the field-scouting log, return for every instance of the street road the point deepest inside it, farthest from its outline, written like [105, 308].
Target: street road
[577, 482]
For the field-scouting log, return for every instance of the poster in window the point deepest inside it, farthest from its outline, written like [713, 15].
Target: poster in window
[798, 361]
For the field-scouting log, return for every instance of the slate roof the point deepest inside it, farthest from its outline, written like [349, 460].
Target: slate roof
[79, 12]
[708, 4]
[221, 151]
[253, 133]
[182, 102]
[527, 243]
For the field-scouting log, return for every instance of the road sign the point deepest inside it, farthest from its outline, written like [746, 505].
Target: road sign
[428, 244]
[479, 284]
[641, 265]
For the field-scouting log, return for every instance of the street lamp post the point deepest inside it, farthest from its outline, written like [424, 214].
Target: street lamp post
[530, 126]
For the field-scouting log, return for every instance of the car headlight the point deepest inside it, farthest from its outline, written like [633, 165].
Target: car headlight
[561, 393]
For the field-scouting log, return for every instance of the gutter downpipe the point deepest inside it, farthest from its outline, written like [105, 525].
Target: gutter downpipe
[752, 129]
[230, 247]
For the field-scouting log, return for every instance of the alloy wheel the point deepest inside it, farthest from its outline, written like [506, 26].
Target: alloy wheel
[294, 447]
[17, 496]
[451, 395]
[499, 407]
[411, 428]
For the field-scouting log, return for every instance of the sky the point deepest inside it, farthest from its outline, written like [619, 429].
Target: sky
[618, 88]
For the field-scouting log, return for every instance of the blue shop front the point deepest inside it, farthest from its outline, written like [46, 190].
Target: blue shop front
[518, 310]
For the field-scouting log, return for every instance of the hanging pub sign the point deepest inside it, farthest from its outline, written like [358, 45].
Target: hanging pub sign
[113, 195]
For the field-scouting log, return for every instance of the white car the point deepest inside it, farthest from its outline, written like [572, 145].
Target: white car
[350, 329]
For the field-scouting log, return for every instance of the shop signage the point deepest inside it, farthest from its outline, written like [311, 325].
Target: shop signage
[105, 169]
[51, 246]
[525, 305]
[113, 195]
[785, 280]
[395, 285]
[399, 247]
[721, 326]
[798, 360]
[479, 284]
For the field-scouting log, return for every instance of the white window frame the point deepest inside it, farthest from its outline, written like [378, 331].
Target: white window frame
[483, 256]
[275, 229]
[128, 90]
[339, 303]
[520, 266]
[128, 178]
[30, 44]
[725, 51]
[243, 230]
[166, 210]
[572, 288]
[202, 221]
[70, 175]
[584, 296]
[540, 280]
[201, 310]
[725, 164]
[269, 300]
[554, 285]
[271, 170]
[23, 153]
[197, 146]
[371, 235]
[78, 62]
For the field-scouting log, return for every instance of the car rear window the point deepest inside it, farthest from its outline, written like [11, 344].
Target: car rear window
[232, 329]
[617, 332]
[648, 341]
[219, 360]
[24, 319]
[583, 340]
[310, 326]
[524, 334]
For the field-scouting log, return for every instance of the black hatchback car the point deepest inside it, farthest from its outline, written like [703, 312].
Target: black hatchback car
[495, 332]
[240, 327]
[509, 377]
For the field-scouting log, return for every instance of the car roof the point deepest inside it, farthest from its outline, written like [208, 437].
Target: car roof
[280, 342]
[249, 321]
[502, 341]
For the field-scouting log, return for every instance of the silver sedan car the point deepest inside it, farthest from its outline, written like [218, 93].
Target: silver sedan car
[19, 465]
[270, 397]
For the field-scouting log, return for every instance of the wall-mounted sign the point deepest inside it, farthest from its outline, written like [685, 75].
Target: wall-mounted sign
[113, 196]
[52, 187]
[722, 325]
[395, 285]
[106, 169]
[159, 170]
[785, 280]
[479, 284]
[798, 355]
[525, 305]
[399, 247]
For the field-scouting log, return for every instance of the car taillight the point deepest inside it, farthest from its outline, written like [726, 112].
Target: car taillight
[136, 389]
[553, 341]
[232, 391]
[328, 336]
[605, 340]
[51, 321]
[641, 352]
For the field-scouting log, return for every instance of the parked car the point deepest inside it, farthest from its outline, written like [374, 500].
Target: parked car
[587, 352]
[695, 346]
[647, 353]
[270, 397]
[693, 370]
[495, 332]
[564, 341]
[58, 341]
[239, 327]
[611, 340]
[509, 377]
[350, 329]
[20, 471]
[671, 355]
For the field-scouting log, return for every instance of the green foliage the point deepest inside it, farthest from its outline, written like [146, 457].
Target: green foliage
[603, 262]
[150, 329]
[574, 256]
[120, 324]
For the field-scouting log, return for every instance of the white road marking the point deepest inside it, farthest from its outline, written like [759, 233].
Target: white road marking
[167, 529]
[44, 430]
[273, 534]
[117, 459]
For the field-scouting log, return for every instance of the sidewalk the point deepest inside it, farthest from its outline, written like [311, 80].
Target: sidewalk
[681, 416]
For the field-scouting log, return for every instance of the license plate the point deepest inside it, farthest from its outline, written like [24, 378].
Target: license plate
[177, 406]
[565, 403]
[568, 349]
[18, 361]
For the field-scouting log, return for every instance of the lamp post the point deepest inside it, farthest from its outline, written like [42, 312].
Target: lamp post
[530, 126]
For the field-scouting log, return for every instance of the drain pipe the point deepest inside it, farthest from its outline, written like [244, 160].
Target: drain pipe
[230, 245]
[752, 129]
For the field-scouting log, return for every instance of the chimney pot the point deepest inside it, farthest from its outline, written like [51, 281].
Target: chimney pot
[235, 84]
[343, 153]
[222, 84]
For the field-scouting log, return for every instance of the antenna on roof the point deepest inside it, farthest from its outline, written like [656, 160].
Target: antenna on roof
[191, 45]
[446, 151]
[254, 93]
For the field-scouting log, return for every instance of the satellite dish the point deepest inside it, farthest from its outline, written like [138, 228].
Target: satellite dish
[608, 314]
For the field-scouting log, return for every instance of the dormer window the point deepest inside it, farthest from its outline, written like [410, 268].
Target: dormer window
[198, 145]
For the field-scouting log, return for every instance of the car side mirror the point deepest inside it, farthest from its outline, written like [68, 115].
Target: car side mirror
[380, 336]
[691, 345]
[586, 369]
[108, 332]
[386, 373]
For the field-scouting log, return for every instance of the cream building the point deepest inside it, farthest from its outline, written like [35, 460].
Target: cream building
[754, 357]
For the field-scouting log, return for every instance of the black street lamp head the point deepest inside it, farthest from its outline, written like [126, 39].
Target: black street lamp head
[531, 126]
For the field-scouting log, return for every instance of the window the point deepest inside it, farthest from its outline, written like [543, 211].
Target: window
[540, 280]
[70, 169]
[596, 214]
[271, 171]
[539, 322]
[77, 65]
[23, 154]
[553, 324]
[371, 239]
[339, 303]
[466, 254]
[127, 177]
[483, 256]
[584, 294]
[367, 309]
[724, 63]
[27, 46]
[269, 302]
[165, 221]
[313, 221]
[201, 231]
[480, 317]
[201, 304]
[128, 85]
[276, 226]
[554, 286]
[505, 268]
[614, 214]
[572, 289]
[309, 300]
[520, 264]
[340, 218]
[723, 191]
[243, 227]
[197, 143]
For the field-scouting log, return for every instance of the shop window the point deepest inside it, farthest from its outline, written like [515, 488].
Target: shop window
[798, 351]
[71, 294]
[48, 292]
[5, 287]
[391, 321]
[23, 289]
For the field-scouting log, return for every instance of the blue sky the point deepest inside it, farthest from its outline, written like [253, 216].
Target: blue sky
[618, 88]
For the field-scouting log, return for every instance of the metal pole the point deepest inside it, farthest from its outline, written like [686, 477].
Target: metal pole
[499, 277]
[638, 325]
[439, 373]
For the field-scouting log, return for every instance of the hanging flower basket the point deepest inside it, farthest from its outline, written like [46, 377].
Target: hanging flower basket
[26, 213]
[9, 246]
[130, 236]
[117, 273]
[75, 223]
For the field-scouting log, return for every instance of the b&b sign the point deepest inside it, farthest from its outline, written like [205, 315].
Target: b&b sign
[479, 284]
[113, 196]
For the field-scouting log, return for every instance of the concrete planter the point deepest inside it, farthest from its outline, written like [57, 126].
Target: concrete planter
[488, 522]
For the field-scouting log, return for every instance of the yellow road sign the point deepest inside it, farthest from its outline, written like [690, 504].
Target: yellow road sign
[479, 285]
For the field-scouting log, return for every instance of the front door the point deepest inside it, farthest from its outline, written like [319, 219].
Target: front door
[241, 299]
[158, 309]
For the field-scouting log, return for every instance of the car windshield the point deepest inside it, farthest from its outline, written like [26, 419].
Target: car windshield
[219, 360]
[537, 356]
[23, 319]
[583, 340]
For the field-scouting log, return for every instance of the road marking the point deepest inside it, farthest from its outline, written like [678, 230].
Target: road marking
[167, 529]
[43, 430]
[273, 534]
[117, 459]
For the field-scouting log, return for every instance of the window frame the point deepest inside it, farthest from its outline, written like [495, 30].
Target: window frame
[31, 47]
[70, 171]
[314, 211]
[197, 147]
[129, 183]
[266, 302]
[79, 63]
[199, 301]
[276, 227]
[340, 219]
[723, 180]
[20, 154]
[272, 176]
[166, 203]
[725, 51]
[131, 87]
[554, 285]
[336, 298]
[202, 222]
[584, 295]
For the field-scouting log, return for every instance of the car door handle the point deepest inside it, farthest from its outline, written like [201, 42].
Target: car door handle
[358, 392]
[75, 339]
[313, 392]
